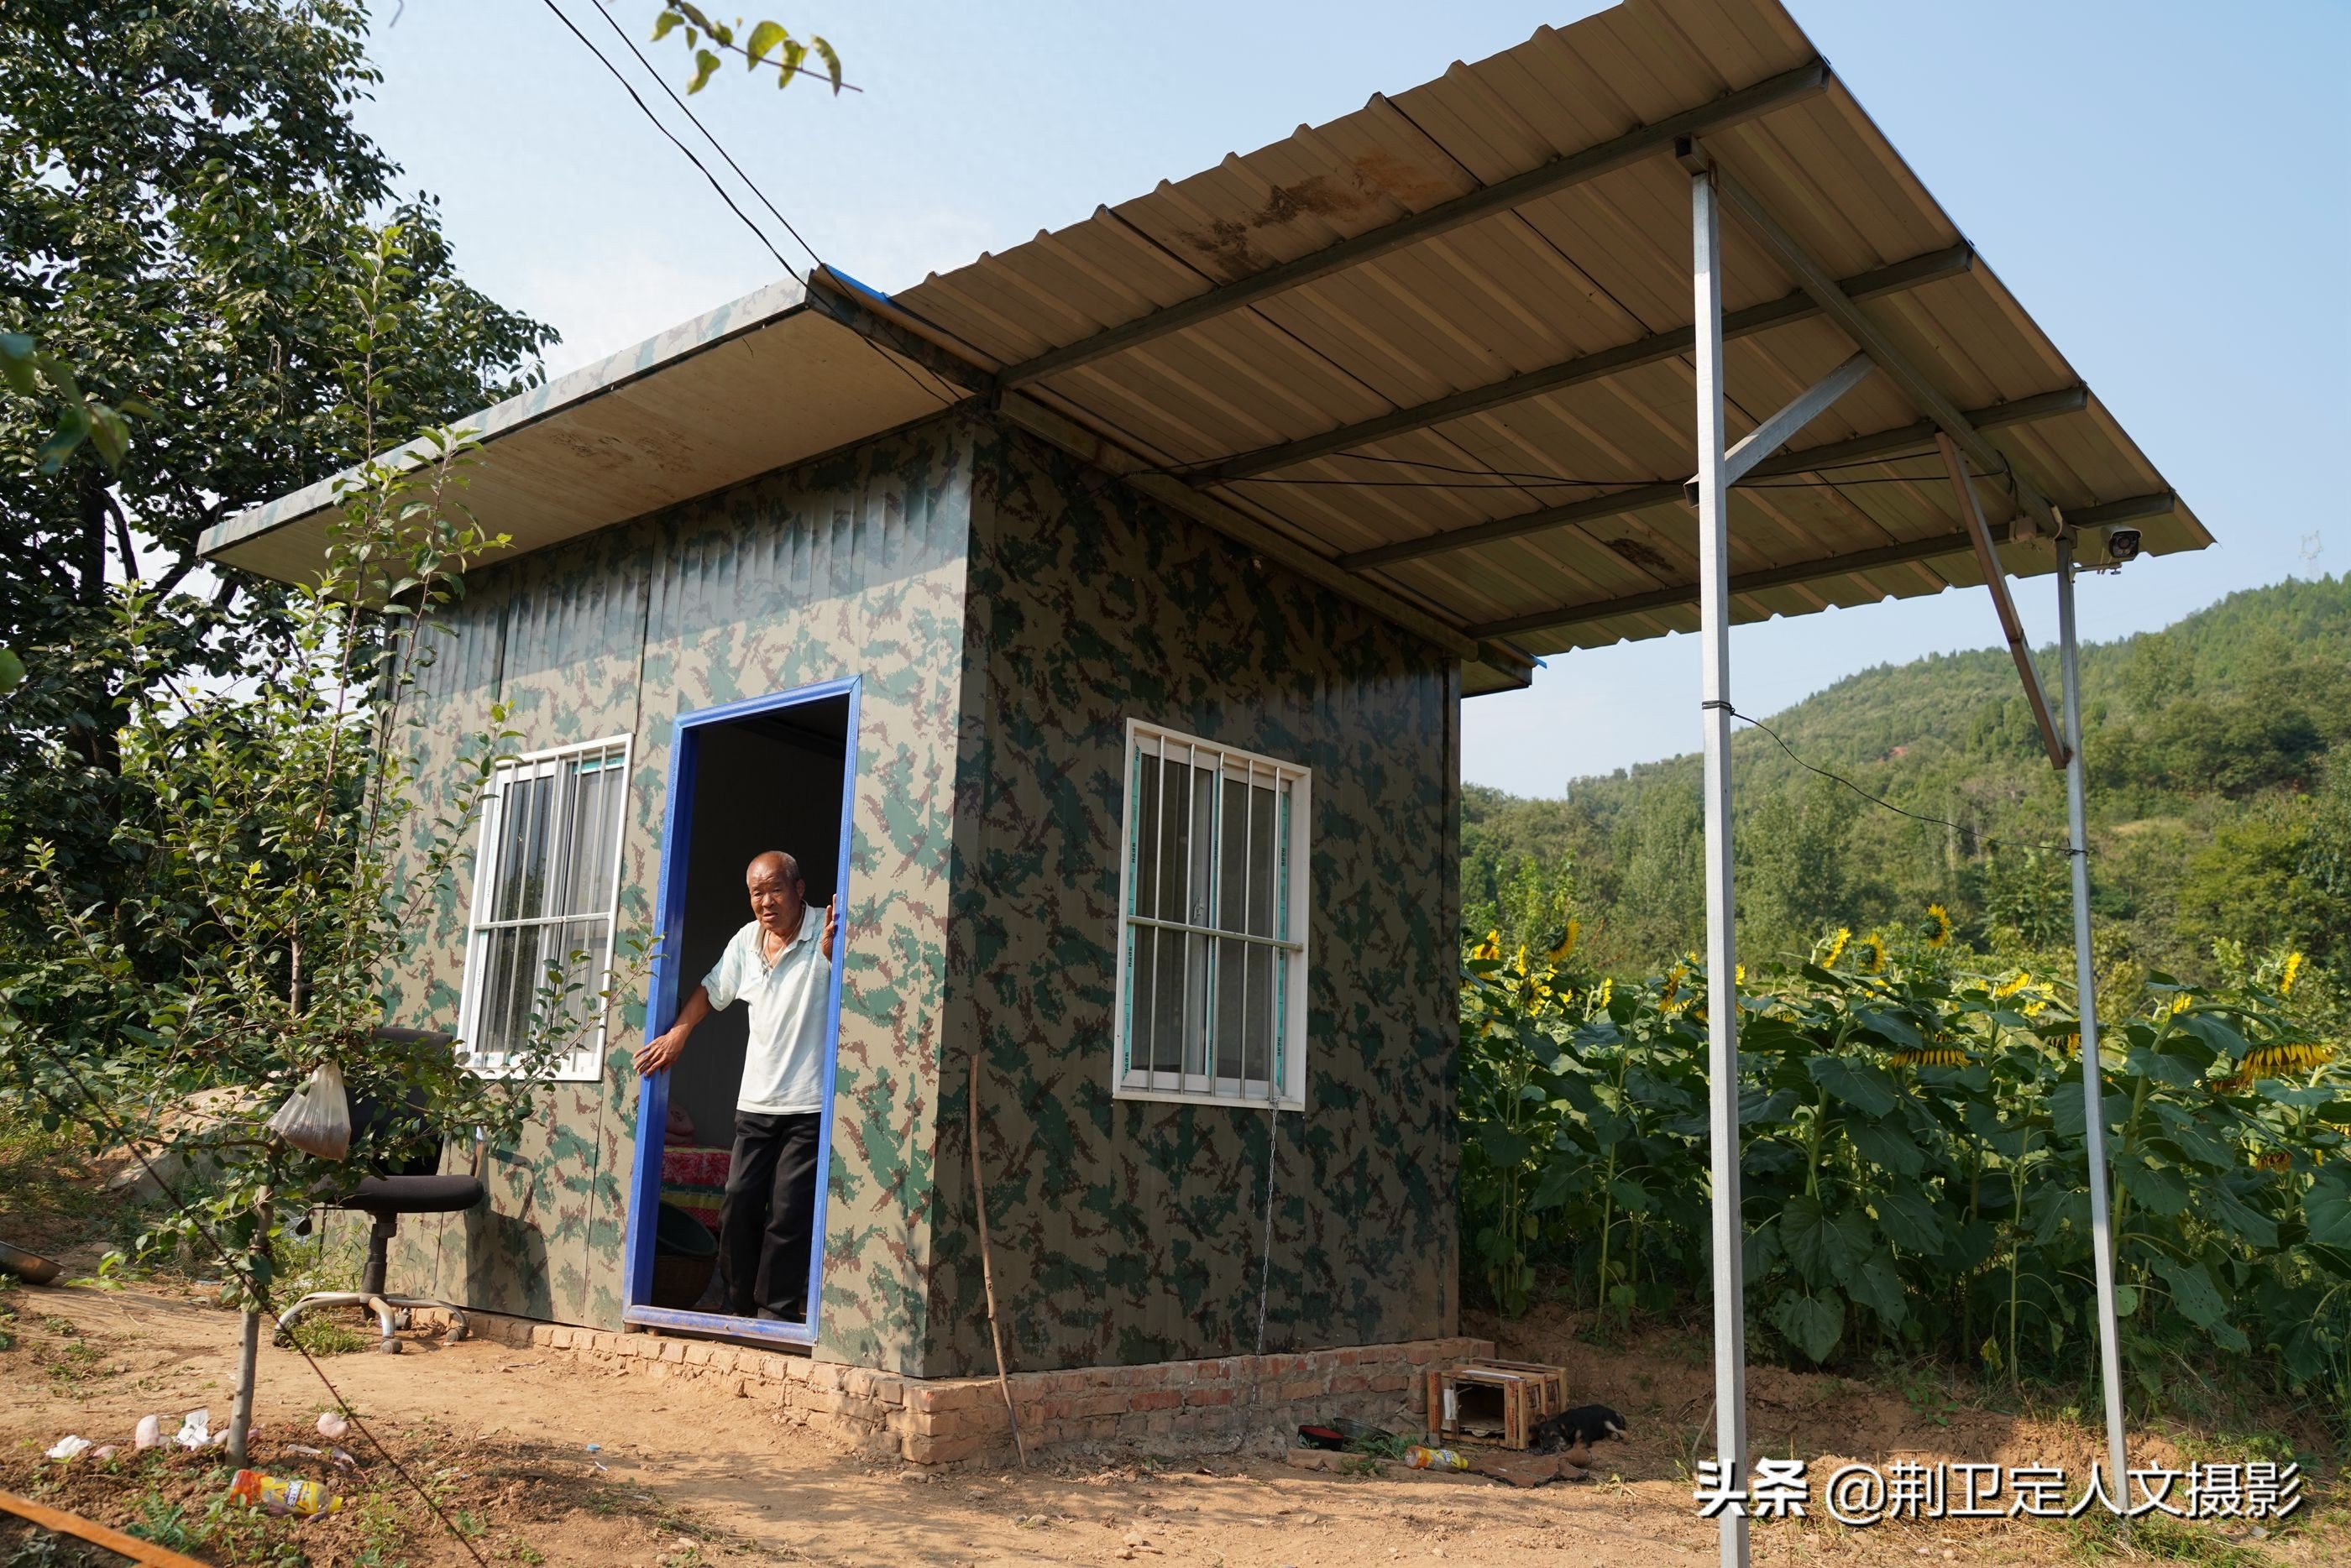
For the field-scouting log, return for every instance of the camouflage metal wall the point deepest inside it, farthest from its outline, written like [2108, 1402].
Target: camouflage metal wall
[1127, 1230]
[852, 565]
[990, 762]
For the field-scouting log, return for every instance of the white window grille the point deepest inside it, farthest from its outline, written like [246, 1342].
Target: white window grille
[546, 884]
[1213, 920]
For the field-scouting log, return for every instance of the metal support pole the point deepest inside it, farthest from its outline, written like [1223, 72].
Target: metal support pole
[1730, 1245]
[2094, 1137]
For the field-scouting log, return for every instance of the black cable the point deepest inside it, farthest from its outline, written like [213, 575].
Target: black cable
[1889, 806]
[674, 141]
[750, 184]
[260, 1293]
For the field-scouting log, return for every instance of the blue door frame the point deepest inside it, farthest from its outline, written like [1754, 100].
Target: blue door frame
[661, 1011]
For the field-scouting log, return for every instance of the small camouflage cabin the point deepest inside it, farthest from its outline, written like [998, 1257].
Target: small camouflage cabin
[1158, 827]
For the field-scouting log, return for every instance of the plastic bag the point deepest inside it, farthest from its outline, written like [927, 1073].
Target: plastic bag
[316, 1117]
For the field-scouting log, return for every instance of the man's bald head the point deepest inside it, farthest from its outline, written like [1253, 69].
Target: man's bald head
[779, 892]
[773, 863]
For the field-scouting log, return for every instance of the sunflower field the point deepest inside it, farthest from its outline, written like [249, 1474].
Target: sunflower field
[1913, 1175]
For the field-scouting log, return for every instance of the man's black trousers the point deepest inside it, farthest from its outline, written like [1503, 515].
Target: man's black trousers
[764, 1223]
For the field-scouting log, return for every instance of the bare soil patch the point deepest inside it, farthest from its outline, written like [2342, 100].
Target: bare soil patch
[682, 1475]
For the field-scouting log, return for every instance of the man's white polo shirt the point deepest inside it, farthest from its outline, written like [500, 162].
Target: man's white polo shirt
[783, 1070]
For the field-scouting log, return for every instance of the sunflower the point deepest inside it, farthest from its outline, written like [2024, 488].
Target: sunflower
[1566, 943]
[1941, 934]
[1933, 1057]
[2275, 1159]
[1488, 949]
[1873, 947]
[2272, 1060]
[1666, 998]
[2011, 987]
[2291, 972]
[1606, 993]
[1836, 947]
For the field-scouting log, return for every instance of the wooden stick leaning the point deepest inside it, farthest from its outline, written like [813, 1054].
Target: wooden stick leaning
[59, 1521]
[986, 1273]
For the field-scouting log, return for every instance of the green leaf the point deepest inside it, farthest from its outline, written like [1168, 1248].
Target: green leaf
[12, 670]
[2240, 1219]
[2157, 1188]
[2192, 1291]
[18, 356]
[1861, 1084]
[2164, 1067]
[664, 23]
[1879, 1287]
[1814, 1325]
[705, 64]
[2326, 1207]
[2215, 1030]
[1506, 1149]
[1885, 1144]
[764, 37]
[1891, 1027]
[2066, 1107]
[832, 59]
[1823, 1249]
[1910, 1221]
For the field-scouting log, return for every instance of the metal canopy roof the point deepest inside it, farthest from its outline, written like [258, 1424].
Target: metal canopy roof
[1397, 337]
[1436, 354]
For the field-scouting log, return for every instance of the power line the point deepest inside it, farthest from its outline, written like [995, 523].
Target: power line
[1898, 810]
[759, 233]
[750, 184]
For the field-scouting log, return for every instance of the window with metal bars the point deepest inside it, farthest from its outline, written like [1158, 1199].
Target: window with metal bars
[546, 882]
[1212, 940]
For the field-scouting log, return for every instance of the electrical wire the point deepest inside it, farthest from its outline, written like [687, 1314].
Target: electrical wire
[948, 399]
[260, 1293]
[1974, 834]
[643, 107]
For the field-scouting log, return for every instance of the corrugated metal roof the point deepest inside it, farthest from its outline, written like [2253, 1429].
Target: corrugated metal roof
[1595, 264]
[1435, 354]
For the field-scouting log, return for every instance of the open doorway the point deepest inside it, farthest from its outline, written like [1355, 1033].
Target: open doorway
[772, 773]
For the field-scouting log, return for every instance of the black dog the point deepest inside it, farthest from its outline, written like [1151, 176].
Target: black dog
[1576, 1428]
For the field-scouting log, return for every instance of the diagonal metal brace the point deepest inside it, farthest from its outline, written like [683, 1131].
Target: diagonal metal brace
[1996, 579]
[1802, 409]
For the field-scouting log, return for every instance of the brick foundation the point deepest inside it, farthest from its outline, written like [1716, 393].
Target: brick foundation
[1166, 1406]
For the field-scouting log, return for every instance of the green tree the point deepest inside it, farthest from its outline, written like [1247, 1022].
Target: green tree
[181, 188]
[1792, 875]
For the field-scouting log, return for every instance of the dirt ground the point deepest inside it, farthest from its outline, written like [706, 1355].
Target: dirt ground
[681, 1475]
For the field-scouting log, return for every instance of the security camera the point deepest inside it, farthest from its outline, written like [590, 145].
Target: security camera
[2122, 544]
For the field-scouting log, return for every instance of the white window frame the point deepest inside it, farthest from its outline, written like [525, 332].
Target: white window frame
[1285, 1089]
[584, 1063]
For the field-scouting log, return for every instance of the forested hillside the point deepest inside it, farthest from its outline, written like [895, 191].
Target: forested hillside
[2219, 809]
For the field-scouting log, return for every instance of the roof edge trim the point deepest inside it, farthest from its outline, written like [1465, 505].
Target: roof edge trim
[761, 308]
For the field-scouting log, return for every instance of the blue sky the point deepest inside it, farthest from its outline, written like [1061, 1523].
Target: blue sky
[2162, 185]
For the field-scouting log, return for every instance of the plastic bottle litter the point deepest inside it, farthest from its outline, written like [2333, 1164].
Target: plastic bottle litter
[333, 1426]
[284, 1494]
[196, 1429]
[1423, 1458]
[68, 1448]
[148, 1433]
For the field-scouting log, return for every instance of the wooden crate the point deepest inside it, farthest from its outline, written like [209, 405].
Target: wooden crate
[1495, 1402]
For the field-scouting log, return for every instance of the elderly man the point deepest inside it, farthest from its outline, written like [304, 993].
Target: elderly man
[782, 968]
